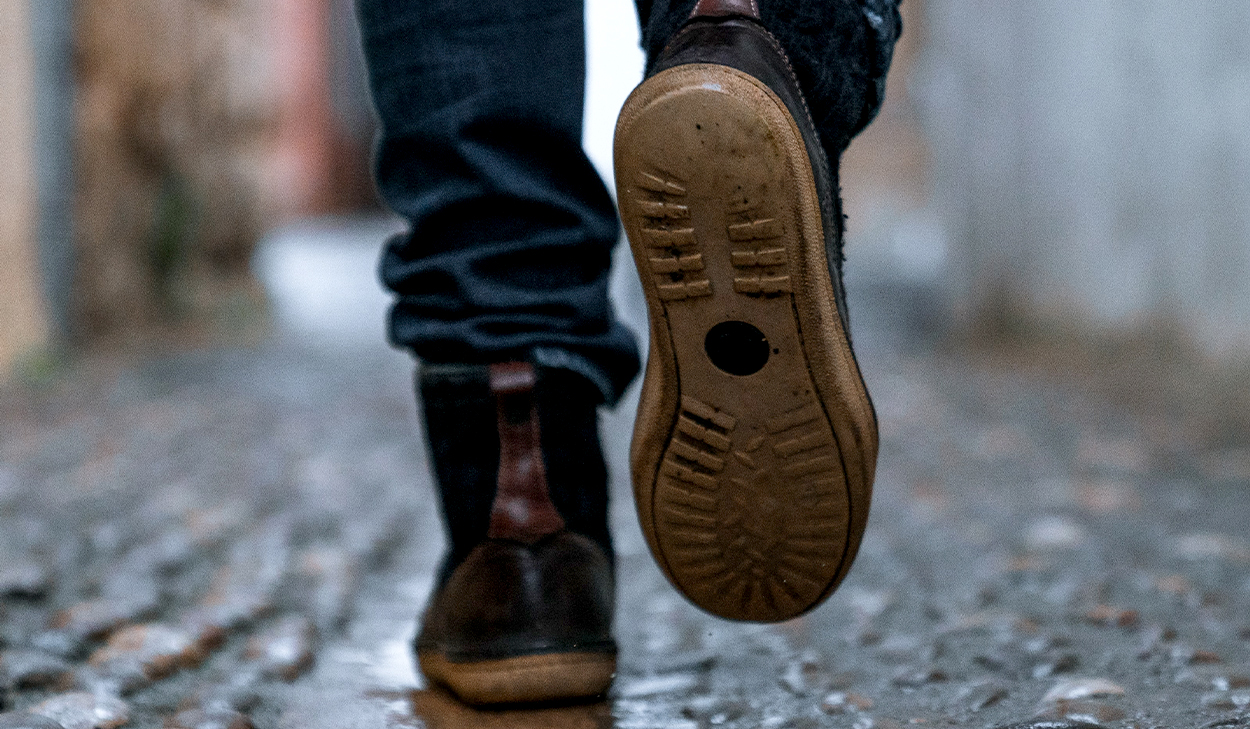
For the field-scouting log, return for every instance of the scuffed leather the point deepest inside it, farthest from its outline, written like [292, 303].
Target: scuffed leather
[726, 9]
[509, 599]
[522, 510]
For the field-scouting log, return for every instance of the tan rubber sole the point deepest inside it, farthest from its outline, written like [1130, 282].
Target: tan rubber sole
[525, 679]
[755, 445]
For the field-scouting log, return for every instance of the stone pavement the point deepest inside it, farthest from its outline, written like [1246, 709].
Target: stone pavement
[237, 538]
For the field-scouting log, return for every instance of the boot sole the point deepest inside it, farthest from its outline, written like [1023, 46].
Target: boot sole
[755, 445]
[524, 679]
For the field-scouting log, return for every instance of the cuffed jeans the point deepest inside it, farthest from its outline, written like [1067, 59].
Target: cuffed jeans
[511, 229]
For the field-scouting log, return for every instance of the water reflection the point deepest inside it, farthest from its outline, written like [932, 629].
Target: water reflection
[438, 710]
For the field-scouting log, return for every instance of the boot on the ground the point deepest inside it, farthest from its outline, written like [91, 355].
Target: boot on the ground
[523, 608]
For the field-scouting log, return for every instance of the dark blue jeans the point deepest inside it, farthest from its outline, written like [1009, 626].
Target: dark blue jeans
[511, 229]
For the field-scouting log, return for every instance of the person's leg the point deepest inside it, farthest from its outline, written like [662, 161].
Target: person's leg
[501, 284]
[511, 229]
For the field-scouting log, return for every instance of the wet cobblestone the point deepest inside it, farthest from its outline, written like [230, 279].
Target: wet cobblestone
[235, 539]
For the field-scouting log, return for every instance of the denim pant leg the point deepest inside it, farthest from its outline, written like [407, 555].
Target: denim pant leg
[511, 229]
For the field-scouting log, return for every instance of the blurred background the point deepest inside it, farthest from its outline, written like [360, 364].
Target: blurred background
[1049, 273]
[183, 171]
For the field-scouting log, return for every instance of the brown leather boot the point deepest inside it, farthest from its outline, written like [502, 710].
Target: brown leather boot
[525, 614]
[756, 443]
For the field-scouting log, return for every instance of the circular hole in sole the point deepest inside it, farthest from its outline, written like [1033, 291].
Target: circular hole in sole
[737, 348]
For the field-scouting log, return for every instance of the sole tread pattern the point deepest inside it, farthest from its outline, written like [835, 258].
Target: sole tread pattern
[731, 529]
[762, 267]
[678, 270]
[744, 492]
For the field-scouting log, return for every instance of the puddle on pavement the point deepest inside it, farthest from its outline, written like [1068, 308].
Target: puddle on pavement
[436, 709]
[393, 664]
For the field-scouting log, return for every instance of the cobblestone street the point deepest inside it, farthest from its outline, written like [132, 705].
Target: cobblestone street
[242, 537]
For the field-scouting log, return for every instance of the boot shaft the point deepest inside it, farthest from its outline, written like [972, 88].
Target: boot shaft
[464, 418]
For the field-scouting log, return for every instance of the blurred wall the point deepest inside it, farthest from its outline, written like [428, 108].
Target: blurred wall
[51, 35]
[353, 119]
[885, 174]
[176, 104]
[199, 127]
[1092, 163]
[885, 170]
[22, 324]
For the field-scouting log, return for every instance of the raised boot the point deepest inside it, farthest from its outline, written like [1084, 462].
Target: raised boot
[756, 442]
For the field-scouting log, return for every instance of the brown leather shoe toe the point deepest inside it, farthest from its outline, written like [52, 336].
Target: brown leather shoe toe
[523, 623]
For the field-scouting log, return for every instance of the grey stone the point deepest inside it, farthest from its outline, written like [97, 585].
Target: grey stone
[208, 719]
[1218, 700]
[94, 619]
[841, 702]
[1095, 712]
[716, 712]
[60, 643]
[24, 579]
[1154, 639]
[335, 574]
[917, 677]
[240, 693]
[1082, 688]
[1183, 654]
[118, 678]
[981, 695]
[23, 720]
[804, 675]
[1064, 662]
[171, 551]
[23, 669]
[900, 647]
[284, 650]
[1225, 681]
[673, 683]
[1054, 532]
[155, 649]
[85, 711]
[1212, 676]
